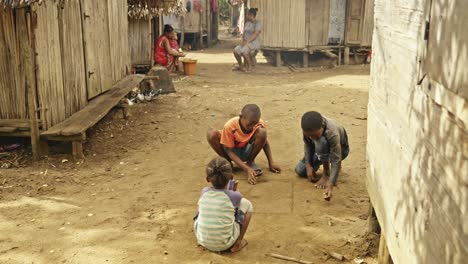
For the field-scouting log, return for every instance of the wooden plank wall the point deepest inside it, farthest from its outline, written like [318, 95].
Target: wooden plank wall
[139, 40]
[319, 22]
[118, 37]
[417, 134]
[49, 72]
[13, 97]
[73, 61]
[98, 54]
[283, 23]
[368, 24]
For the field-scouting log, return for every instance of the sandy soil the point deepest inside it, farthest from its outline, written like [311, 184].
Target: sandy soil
[133, 198]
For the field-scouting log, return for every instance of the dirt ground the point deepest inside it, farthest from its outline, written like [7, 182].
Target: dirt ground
[133, 198]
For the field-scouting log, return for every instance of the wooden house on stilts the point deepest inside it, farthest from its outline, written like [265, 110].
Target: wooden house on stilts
[309, 26]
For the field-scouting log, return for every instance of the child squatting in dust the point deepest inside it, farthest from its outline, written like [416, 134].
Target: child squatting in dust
[325, 142]
[241, 140]
[223, 215]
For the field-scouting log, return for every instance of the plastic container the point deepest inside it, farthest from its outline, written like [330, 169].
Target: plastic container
[190, 66]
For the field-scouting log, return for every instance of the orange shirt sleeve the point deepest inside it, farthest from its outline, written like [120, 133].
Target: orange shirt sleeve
[227, 137]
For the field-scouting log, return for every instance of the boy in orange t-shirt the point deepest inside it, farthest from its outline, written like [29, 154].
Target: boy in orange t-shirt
[242, 139]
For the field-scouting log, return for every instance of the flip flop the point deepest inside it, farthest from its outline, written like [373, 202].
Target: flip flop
[257, 169]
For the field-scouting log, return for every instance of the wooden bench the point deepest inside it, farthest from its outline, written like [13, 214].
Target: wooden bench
[74, 128]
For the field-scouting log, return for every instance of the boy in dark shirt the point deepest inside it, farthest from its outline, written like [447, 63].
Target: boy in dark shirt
[325, 142]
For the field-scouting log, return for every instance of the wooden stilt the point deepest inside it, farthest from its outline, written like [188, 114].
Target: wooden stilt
[208, 24]
[346, 56]
[278, 58]
[384, 255]
[339, 56]
[373, 223]
[305, 59]
[200, 40]
[182, 33]
[77, 150]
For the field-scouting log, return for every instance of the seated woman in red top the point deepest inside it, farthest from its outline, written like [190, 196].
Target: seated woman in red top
[164, 54]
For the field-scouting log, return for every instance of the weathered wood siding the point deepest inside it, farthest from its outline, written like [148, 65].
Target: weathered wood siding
[63, 61]
[73, 61]
[417, 134]
[284, 23]
[368, 24]
[298, 24]
[319, 16]
[13, 99]
[139, 40]
[49, 72]
[118, 37]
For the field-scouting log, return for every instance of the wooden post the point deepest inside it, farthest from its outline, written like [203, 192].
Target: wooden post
[373, 223]
[151, 41]
[305, 59]
[278, 58]
[200, 41]
[182, 33]
[346, 56]
[384, 255]
[29, 62]
[339, 56]
[77, 150]
[208, 23]
[216, 26]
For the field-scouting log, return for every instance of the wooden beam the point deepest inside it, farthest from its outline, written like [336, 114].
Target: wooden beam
[16, 134]
[19, 123]
[8, 129]
[78, 137]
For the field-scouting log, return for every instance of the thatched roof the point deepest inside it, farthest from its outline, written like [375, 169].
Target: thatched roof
[17, 3]
[136, 8]
[145, 9]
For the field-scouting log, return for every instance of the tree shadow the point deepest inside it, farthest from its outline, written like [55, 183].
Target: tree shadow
[426, 222]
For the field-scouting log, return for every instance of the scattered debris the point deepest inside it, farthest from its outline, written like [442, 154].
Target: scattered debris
[277, 256]
[359, 261]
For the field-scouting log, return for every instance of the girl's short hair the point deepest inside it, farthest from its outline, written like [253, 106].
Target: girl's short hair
[219, 172]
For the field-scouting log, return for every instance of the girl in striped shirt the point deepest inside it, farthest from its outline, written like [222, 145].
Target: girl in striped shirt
[223, 215]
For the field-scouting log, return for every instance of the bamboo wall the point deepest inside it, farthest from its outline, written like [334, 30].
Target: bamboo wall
[68, 72]
[417, 130]
[139, 40]
[13, 100]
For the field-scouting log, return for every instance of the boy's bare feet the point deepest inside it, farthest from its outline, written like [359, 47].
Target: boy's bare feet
[327, 195]
[239, 245]
[322, 183]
